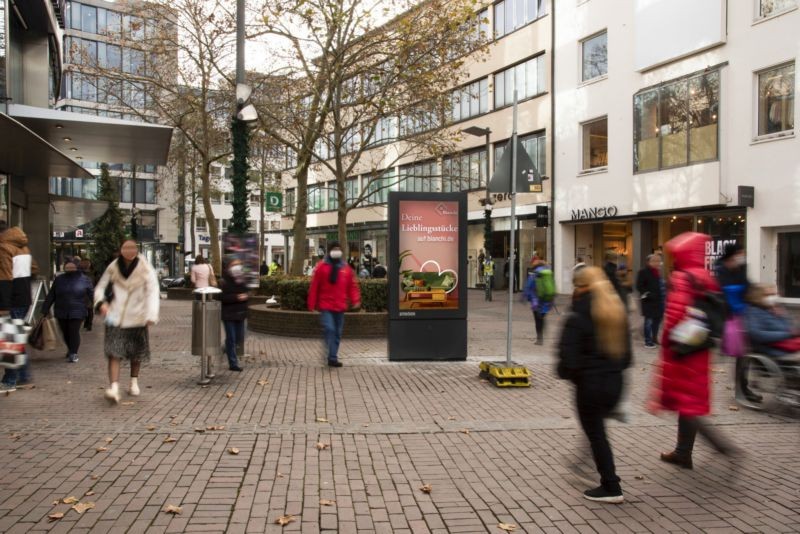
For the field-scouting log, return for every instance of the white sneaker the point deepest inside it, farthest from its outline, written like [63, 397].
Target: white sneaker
[134, 390]
[112, 396]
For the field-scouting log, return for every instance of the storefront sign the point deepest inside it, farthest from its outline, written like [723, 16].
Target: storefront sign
[594, 213]
[273, 201]
[715, 247]
[747, 196]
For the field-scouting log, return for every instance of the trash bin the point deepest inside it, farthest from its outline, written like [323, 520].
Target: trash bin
[206, 324]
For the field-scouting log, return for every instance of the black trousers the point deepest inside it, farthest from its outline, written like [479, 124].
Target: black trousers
[689, 427]
[595, 400]
[71, 330]
[87, 323]
[538, 318]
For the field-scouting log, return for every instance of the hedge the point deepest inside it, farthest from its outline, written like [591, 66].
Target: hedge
[293, 292]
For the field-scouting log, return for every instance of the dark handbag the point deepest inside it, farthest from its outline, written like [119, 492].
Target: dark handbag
[36, 337]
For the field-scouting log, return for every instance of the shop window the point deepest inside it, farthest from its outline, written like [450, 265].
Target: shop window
[527, 78]
[594, 57]
[676, 124]
[767, 8]
[595, 144]
[510, 15]
[535, 145]
[776, 100]
[789, 264]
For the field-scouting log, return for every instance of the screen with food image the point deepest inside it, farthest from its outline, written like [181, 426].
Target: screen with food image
[428, 255]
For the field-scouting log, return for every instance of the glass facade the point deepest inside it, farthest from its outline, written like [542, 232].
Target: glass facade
[510, 15]
[377, 187]
[536, 146]
[470, 100]
[420, 177]
[464, 172]
[527, 78]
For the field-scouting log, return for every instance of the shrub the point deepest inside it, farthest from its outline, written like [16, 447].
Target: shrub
[293, 293]
[374, 295]
[268, 285]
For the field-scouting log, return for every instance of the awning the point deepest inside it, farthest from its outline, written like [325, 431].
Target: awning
[24, 153]
[95, 138]
[71, 213]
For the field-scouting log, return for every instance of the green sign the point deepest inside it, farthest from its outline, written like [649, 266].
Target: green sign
[273, 201]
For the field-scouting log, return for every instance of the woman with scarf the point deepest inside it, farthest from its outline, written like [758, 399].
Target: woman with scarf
[333, 285]
[69, 294]
[128, 297]
[593, 353]
[234, 310]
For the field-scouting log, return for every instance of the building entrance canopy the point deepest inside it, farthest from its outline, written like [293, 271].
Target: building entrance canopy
[95, 138]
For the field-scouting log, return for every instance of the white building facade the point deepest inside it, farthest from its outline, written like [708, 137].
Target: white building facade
[677, 115]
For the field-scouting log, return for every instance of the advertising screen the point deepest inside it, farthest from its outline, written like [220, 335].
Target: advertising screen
[428, 280]
[245, 249]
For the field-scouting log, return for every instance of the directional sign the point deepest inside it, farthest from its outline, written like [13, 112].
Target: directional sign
[528, 178]
[273, 201]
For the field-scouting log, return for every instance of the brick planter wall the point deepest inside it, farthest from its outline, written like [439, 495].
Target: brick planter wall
[288, 323]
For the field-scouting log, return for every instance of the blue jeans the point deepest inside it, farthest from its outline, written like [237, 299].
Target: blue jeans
[234, 333]
[332, 326]
[651, 325]
[23, 374]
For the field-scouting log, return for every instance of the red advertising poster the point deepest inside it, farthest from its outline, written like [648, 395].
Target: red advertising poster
[428, 244]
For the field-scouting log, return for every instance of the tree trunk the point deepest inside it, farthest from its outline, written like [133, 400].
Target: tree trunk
[299, 250]
[193, 214]
[211, 221]
[341, 216]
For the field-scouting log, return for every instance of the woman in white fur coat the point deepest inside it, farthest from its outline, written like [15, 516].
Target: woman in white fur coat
[128, 297]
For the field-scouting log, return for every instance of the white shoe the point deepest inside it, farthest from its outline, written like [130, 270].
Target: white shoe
[112, 396]
[134, 390]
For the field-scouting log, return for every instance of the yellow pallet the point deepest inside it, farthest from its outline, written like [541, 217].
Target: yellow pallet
[505, 375]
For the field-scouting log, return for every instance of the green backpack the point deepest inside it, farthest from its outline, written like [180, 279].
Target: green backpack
[545, 285]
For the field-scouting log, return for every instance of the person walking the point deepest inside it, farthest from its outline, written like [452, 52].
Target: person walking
[234, 310]
[333, 285]
[69, 294]
[85, 267]
[540, 292]
[263, 269]
[129, 308]
[610, 267]
[17, 267]
[682, 383]
[202, 274]
[652, 291]
[488, 277]
[594, 351]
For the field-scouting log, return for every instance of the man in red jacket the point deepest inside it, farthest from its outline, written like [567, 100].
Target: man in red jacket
[333, 285]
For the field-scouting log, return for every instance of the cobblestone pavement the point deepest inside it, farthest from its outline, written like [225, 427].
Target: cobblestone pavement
[490, 455]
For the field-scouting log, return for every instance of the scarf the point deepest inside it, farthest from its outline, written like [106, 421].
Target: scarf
[335, 266]
[124, 270]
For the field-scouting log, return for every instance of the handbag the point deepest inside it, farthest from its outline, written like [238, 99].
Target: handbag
[50, 333]
[36, 337]
[733, 342]
[704, 322]
[212, 280]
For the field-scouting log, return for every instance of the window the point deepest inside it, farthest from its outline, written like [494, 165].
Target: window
[385, 131]
[74, 15]
[594, 62]
[419, 177]
[290, 201]
[225, 224]
[88, 19]
[789, 264]
[595, 144]
[200, 224]
[767, 8]
[333, 197]
[776, 100]
[255, 199]
[114, 23]
[510, 15]
[351, 190]
[274, 225]
[464, 172]
[470, 100]
[676, 123]
[535, 145]
[527, 78]
[378, 187]
[418, 121]
[316, 198]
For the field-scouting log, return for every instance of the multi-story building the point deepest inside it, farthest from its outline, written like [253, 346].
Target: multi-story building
[519, 58]
[102, 35]
[39, 142]
[676, 115]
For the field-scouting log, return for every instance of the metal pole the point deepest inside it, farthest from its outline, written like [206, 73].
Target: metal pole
[240, 41]
[203, 349]
[513, 231]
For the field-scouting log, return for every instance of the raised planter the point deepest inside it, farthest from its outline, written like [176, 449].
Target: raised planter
[180, 293]
[289, 323]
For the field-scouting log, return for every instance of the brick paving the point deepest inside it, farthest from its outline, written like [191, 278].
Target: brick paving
[491, 455]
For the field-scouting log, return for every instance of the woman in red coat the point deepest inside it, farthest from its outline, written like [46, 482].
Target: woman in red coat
[683, 385]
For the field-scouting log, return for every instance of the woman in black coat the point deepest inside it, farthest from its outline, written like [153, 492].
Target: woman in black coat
[69, 294]
[593, 353]
[234, 310]
[651, 286]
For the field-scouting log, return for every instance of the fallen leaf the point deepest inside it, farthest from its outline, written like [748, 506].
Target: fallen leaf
[170, 439]
[733, 408]
[56, 516]
[508, 527]
[284, 520]
[321, 420]
[281, 475]
[322, 446]
[172, 509]
[426, 488]
[101, 449]
[69, 381]
[464, 430]
[173, 416]
[174, 423]
[220, 427]
[451, 418]
[365, 425]
[326, 502]
[94, 477]
[639, 477]
[69, 500]
[127, 403]
[83, 506]
[88, 493]
[151, 428]
[109, 440]
[199, 430]
[229, 394]
[233, 450]
[56, 503]
[262, 382]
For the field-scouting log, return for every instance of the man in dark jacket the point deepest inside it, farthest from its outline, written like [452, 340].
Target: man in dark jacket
[651, 290]
[234, 310]
[69, 294]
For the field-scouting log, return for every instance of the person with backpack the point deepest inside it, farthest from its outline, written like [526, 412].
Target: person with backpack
[540, 291]
[683, 381]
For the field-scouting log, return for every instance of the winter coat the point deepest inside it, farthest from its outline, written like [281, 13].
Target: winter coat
[135, 300]
[532, 296]
[579, 358]
[326, 296]
[71, 292]
[16, 269]
[682, 384]
[201, 275]
[765, 328]
[734, 285]
[650, 288]
[233, 309]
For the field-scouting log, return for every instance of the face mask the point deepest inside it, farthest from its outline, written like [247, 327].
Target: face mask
[236, 270]
[771, 300]
[336, 254]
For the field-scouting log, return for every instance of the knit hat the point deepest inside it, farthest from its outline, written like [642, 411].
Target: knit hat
[731, 249]
[333, 244]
